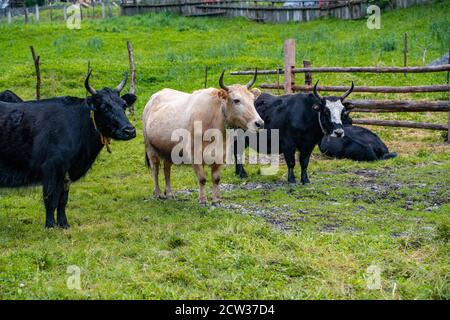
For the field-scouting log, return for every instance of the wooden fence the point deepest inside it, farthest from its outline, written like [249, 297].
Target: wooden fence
[263, 10]
[369, 106]
[56, 12]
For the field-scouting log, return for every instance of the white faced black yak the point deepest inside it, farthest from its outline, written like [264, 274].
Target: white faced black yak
[302, 121]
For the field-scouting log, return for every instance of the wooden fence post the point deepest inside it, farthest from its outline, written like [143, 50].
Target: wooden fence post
[289, 64]
[278, 80]
[38, 73]
[103, 10]
[9, 15]
[405, 50]
[206, 76]
[25, 12]
[448, 82]
[65, 13]
[37, 13]
[308, 75]
[110, 14]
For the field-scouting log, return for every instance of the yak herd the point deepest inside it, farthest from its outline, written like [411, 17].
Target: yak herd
[54, 142]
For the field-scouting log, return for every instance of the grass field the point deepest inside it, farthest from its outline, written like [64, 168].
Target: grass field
[268, 239]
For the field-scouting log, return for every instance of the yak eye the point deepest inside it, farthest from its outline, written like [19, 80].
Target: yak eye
[236, 101]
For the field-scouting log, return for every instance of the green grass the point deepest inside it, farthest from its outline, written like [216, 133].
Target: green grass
[267, 240]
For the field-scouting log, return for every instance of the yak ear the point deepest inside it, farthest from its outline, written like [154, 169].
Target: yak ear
[346, 119]
[256, 92]
[222, 94]
[129, 98]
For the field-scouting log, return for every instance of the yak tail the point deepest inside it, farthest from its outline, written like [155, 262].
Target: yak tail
[389, 155]
[147, 160]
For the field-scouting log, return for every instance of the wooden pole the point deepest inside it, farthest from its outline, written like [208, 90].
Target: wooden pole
[51, 12]
[132, 72]
[37, 13]
[421, 69]
[109, 9]
[38, 73]
[278, 80]
[379, 89]
[206, 76]
[25, 12]
[103, 10]
[289, 65]
[405, 50]
[308, 75]
[448, 83]
[401, 124]
[65, 13]
[399, 105]
[9, 15]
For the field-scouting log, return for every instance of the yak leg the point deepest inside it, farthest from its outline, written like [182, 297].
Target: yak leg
[52, 189]
[305, 154]
[240, 171]
[215, 173]
[198, 168]
[167, 167]
[61, 218]
[289, 157]
[154, 167]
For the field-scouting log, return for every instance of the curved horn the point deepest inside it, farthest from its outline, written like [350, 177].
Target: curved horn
[252, 82]
[315, 91]
[224, 87]
[345, 95]
[123, 83]
[87, 85]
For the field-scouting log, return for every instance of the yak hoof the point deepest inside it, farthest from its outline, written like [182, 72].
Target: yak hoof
[49, 225]
[243, 175]
[170, 195]
[215, 203]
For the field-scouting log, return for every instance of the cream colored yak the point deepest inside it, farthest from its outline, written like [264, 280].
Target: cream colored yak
[170, 110]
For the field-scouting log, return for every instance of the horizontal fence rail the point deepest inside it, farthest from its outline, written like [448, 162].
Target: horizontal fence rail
[380, 89]
[441, 68]
[397, 106]
[401, 124]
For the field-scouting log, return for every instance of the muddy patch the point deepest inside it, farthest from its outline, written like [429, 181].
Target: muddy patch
[385, 186]
[280, 217]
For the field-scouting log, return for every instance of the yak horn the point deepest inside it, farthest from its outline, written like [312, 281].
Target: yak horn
[87, 85]
[318, 96]
[123, 83]
[252, 82]
[345, 95]
[224, 87]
